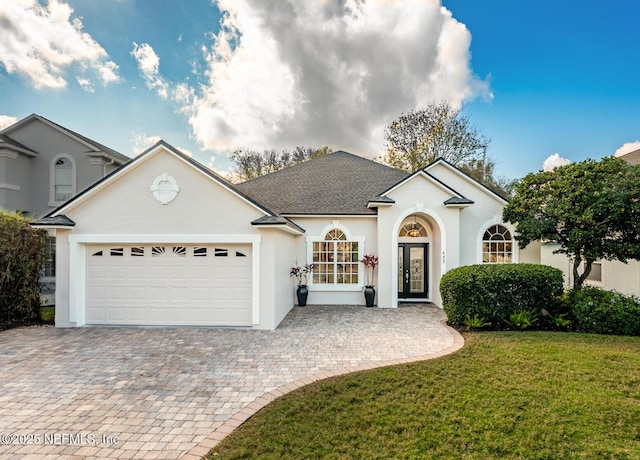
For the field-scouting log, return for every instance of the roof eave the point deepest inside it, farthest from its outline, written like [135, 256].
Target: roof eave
[284, 226]
[57, 222]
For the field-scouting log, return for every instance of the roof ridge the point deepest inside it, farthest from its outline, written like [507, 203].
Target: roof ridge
[321, 157]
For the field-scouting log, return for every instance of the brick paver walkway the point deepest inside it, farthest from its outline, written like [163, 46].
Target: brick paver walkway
[172, 393]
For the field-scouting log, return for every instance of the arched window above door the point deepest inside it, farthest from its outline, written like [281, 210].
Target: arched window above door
[413, 229]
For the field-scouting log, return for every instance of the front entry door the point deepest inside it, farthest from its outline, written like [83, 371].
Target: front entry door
[412, 270]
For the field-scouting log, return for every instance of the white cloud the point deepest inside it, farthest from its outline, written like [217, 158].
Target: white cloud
[86, 84]
[142, 142]
[7, 120]
[43, 43]
[149, 66]
[554, 161]
[627, 148]
[334, 72]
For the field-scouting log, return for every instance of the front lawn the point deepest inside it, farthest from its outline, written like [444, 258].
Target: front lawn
[504, 395]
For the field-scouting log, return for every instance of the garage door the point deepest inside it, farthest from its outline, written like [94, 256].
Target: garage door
[168, 284]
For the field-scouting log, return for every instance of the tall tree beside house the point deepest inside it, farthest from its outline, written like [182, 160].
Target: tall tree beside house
[250, 164]
[21, 259]
[591, 209]
[419, 137]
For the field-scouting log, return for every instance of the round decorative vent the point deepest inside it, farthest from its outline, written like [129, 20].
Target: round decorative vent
[165, 188]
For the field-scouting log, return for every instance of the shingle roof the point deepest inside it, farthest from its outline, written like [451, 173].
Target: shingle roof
[337, 183]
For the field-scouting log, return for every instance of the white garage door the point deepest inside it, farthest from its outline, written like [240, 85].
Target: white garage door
[168, 284]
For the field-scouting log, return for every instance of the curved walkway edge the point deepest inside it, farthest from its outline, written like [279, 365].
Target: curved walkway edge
[250, 410]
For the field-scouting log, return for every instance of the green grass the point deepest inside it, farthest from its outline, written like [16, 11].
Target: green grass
[507, 395]
[48, 314]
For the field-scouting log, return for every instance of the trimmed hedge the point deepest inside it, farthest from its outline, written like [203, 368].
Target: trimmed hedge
[21, 259]
[493, 292]
[605, 312]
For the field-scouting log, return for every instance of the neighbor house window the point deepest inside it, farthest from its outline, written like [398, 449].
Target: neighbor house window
[63, 179]
[595, 275]
[497, 245]
[335, 260]
[50, 257]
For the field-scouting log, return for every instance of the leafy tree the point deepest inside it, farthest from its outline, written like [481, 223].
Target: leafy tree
[591, 209]
[21, 259]
[251, 163]
[483, 170]
[419, 137]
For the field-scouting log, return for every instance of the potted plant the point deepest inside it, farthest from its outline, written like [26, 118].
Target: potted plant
[370, 263]
[302, 273]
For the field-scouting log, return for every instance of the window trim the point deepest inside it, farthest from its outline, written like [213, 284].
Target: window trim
[349, 238]
[52, 178]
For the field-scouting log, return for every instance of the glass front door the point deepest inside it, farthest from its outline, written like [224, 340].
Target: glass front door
[412, 270]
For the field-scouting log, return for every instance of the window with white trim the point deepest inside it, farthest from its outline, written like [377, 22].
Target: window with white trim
[497, 245]
[62, 179]
[335, 259]
[49, 265]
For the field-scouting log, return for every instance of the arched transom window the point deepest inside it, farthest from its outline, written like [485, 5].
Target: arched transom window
[413, 230]
[335, 260]
[497, 245]
[62, 180]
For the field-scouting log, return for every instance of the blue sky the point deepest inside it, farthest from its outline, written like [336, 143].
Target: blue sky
[538, 78]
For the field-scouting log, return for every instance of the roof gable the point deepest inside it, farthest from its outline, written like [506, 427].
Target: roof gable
[90, 144]
[442, 163]
[339, 183]
[160, 146]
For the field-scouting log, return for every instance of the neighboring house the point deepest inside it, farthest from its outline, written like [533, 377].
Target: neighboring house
[42, 165]
[606, 274]
[165, 241]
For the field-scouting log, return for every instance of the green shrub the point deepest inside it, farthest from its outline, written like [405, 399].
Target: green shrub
[475, 323]
[21, 258]
[494, 292]
[605, 312]
[521, 320]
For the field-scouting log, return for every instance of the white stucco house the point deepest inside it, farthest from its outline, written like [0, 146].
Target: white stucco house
[163, 240]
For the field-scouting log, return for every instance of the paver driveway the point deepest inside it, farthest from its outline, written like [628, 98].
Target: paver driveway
[171, 393]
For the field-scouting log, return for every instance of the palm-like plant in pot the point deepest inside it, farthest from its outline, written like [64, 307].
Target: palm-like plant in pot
[302, 274]
[370, 263]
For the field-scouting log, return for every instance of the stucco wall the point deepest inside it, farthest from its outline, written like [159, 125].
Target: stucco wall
[275, 287]
[62, 279]
[616, 275]
[14, 173]
[530, 254]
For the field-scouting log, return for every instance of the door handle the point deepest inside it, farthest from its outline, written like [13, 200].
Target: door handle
[406, 276]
